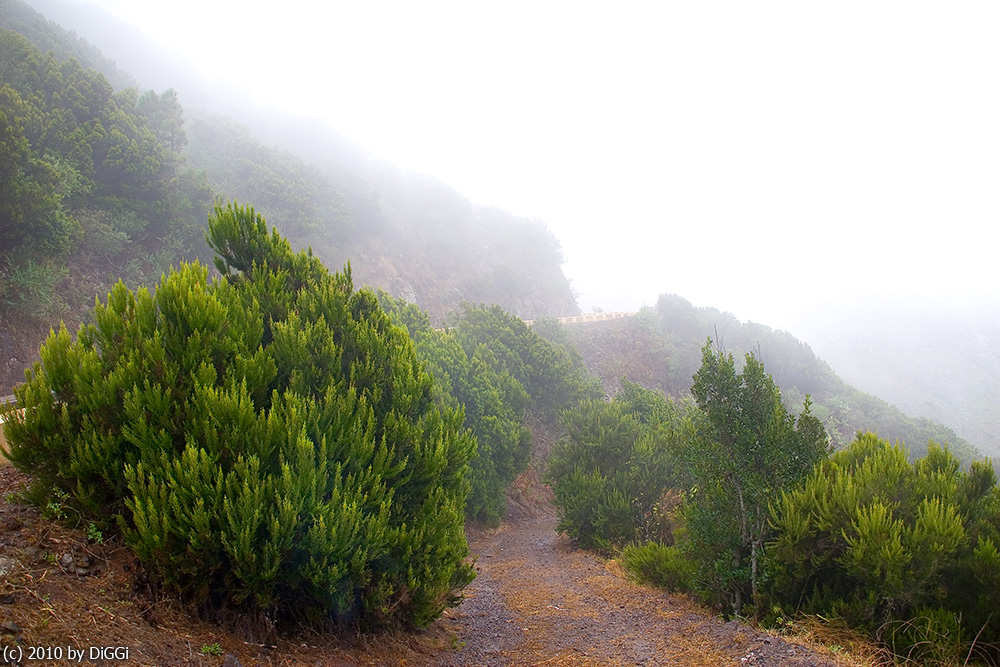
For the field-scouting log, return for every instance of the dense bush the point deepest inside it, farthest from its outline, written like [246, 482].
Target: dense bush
[907, 551]
[612, 470]
[505, 375]
[628, 472]
[267, 440]
[547, 371]
[495, 405]
[658, 564]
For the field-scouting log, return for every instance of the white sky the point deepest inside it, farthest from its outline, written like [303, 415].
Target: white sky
[752, 156]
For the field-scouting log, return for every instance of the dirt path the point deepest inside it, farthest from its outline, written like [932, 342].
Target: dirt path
[537, 601]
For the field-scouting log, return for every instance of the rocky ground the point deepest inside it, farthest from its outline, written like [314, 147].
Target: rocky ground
[537, 601]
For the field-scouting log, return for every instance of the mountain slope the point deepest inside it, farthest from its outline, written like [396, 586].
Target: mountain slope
[412, 235]
[660, 348]
[409, 234]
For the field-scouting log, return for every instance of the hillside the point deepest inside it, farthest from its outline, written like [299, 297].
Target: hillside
[258, 456]
[406, 233]
[118, 182]
[660, 348]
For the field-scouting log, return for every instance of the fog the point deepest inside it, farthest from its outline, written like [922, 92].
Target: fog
[765, 158]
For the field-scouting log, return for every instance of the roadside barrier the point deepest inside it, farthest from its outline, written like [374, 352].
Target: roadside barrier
[592, 317]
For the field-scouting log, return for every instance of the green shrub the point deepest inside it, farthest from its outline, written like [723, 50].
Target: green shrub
[904, 551]
[28, 289]
[610, 471]
[500, 371]
[660, 565]
[267, 440]
[554, 380]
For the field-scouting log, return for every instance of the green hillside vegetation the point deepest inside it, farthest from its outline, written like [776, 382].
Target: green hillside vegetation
[739, 502]
[92, 191]
[281, 185]
[267, 441]
[49, 37]
[506, 377]
[660, 348]
[111, 182]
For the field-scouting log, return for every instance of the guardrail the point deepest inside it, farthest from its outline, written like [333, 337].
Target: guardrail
[591, 317]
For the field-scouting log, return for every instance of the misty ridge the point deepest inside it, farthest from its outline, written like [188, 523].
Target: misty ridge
[420, 240]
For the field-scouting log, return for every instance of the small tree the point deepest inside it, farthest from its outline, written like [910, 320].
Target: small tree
[266, 440]
[755, 449]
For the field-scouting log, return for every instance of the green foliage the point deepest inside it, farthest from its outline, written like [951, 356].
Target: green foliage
[48, 36]
[83, 176]
[31, 212]
[756, 449]
[55, 507]
[164, 115]
[495, 405]
[282, 185]
[546, 371]
[71, 112]
[212, 649]
[28, 289]
[266, 440]
[612, 470]
[661, 348]
[659, 565]
[905, 551]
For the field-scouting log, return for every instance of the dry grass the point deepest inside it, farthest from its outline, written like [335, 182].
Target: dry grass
[844, 646]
